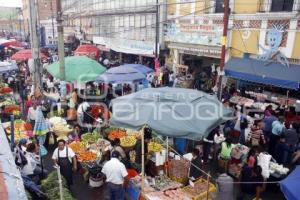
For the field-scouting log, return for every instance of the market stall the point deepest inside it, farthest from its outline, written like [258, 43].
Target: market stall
[88, 50]
[194, 128]
[26, 54]
[77, 68]
[8, 67]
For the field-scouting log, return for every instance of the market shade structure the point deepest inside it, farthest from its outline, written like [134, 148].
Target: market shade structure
[121, 74]
[8, 67]
[78, 68]
[141, 68]
[88, 50]
[257, 71]
[290, 185]
[174, 112]
[26, 54]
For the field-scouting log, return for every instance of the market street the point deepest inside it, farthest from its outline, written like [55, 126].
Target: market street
[149, 100]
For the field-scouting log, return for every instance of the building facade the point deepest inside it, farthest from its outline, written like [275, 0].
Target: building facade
[124, 26]
[47, 16]
[194, 30]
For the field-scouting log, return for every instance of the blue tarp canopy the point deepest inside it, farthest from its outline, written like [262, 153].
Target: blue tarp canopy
[261, 72]
[8, 67]
[121, 74]
[290, 186]
[141, 68]
[174, 112]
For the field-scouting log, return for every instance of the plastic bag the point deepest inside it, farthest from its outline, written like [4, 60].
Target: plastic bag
[51, 139]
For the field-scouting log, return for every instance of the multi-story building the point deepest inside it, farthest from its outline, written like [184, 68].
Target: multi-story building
[194, 34]
[124, 26]
[47, 17]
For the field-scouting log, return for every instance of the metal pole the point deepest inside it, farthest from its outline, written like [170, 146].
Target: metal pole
[12, 132]
[52, 21]
[157, 30]
[224, 41]
[61, 49]
[35, 43]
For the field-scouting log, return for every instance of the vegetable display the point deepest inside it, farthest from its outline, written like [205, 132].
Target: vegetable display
[116, 134]
[128, 141]
[154, 147]
[86, 156]
[90, 137]
[76, 147]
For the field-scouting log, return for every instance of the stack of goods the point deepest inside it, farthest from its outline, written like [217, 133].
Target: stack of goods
[61, 130]
[264, 160]
[242, 101]
[5, 90]
[21, 130]
[83, 155]
[116, 133]
[240, 152]
[155, 146]
[90, 138]
[50, 187]
[128, 141]
[13, 109]
[278, 169]
[179, 170]
[163, 183]
[169, 195]
[199, 189]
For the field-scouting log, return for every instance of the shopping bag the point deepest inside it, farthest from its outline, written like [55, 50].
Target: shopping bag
[51, 139]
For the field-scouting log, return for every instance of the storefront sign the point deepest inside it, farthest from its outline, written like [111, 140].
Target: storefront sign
[204, 34]
[127, 46]
[204, 51]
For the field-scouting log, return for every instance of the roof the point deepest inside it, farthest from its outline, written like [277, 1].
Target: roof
[260, 72]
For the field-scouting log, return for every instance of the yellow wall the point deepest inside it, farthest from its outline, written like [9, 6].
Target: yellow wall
[296, 50]
[238, 46]
[172, 7]
[246, 6]
[185, 9]
[200, 7]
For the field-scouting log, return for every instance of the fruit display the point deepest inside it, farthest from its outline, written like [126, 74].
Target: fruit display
[128, 141]
[154, 147]
[21, 129]
[5, 90]
[118, 133]
[90, 137]
[86, 156]
[76, 147]
[11, 108]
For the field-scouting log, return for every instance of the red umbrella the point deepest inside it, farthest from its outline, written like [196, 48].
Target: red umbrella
[12, 43]
[25, 55]
[88, 50]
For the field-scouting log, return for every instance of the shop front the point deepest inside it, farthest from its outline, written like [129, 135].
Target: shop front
[127, 51]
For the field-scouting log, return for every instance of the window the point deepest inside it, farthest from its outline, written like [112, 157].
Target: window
[219, 6]
[282, 5]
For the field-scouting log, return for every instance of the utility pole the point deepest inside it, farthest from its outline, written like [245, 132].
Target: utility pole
[52, 20]
[61, 48]
[157, 30]
[223, 50]
[35, 44]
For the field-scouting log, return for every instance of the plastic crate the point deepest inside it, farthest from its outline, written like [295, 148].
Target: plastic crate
[203, 195]
[133, 192]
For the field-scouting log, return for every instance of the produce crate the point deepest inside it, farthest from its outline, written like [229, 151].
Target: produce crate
[202, 195]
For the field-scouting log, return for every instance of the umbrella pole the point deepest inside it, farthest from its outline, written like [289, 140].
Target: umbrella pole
[143, 161]
[41, 159]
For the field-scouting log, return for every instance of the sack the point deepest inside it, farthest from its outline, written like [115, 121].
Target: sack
[223, 163]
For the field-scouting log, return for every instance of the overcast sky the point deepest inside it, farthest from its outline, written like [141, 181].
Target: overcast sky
[10, 3]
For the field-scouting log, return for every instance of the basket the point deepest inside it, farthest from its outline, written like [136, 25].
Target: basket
[202, 195]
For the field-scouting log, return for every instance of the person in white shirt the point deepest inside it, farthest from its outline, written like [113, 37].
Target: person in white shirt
[31, 116]
[82, 108]
[116, 177]
[65, 158]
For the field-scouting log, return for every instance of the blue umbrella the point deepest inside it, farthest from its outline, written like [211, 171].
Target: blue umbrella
[121, 74]
[8, 67]
[141, 68]
[173, 112]
[290, 185]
